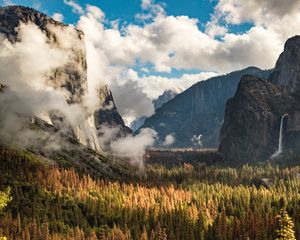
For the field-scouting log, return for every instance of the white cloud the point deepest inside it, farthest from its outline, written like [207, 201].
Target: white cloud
[76, 8]
[150, 10]
[58, 17]
[169, 140]
[176, 42]
[27, 69]
[8, 2]
[277, 16]
[134, 147]
[257, 11]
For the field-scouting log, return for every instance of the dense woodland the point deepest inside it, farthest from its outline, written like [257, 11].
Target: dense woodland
[180, 202]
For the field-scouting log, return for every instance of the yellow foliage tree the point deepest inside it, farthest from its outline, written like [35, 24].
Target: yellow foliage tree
[5, 198]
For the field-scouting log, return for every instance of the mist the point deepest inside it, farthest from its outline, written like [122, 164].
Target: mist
[27, 68]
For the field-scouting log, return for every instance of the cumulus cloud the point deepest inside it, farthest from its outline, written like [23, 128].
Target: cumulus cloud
[280, 18]
[58, 17]
[259, 12]
[169, 140]
[150, 10]
[76, 8]
[110, 56]
[176, 42]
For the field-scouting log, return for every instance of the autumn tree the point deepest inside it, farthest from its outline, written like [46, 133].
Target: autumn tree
[5, 198]
[285, 226]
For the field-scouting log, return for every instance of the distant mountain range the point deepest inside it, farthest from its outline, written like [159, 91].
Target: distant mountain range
[198, 112]
[165, 97]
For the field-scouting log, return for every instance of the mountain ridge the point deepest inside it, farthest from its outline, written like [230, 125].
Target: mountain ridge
[199, 110]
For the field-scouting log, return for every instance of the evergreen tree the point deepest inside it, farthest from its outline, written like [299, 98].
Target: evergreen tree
[285, 226]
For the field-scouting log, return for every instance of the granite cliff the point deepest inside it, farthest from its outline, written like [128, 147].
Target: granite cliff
[251, 129]
[70, 78]
[198, 110]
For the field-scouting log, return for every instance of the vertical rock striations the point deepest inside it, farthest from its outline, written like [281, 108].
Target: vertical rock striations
[108, 114]
[199, 110]
[287, 69]
[252, 120]
[69, 78]
[251, 129]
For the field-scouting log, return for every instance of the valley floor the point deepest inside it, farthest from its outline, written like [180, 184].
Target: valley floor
[188, 201]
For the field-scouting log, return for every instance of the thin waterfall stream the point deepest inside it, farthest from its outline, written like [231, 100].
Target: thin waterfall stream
[279, 150]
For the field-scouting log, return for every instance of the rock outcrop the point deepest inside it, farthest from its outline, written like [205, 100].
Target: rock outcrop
[252, 119]
[69, 78]
[253, 116]
[287, 69]
[198, 111]
[165, 97]
[72, 76]
[108, 114]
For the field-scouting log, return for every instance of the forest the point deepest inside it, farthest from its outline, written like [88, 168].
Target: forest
[44, 200]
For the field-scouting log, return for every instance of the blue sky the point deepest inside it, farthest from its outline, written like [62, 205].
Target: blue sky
[123, 9]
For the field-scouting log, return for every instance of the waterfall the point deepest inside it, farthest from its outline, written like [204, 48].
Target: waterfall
[279, 150]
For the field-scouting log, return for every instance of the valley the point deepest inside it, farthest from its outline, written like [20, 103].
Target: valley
[213, 152]
[187, 201]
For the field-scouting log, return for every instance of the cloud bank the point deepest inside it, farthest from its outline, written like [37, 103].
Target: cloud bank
[134, 57]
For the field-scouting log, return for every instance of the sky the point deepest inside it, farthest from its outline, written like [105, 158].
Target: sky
[142, 47]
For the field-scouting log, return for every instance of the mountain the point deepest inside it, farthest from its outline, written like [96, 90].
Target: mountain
[198, 111]
[136, 124]
[287, 69]
[165, 97]
[252, 120]
[262, 119]
[108, 114]
[71, 119]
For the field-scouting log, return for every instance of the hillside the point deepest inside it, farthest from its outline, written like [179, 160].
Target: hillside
[198, 111]
[262, 119]
[183, 202]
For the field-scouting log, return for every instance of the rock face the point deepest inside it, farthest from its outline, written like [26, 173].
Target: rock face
[252, 119]
[253, 116]
[157, 103]
[136, 124]
[287, 69]
[165, 97]
[71, 77]
[108, 114]
[198, 111]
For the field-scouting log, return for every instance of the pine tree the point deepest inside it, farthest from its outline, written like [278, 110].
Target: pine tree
[285, 226]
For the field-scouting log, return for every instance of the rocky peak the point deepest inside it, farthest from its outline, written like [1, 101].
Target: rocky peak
[71, 77]
[252, 120]
[108, 114]
[199, 110]
[166, 97]
[12, 16]
[287, 69]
